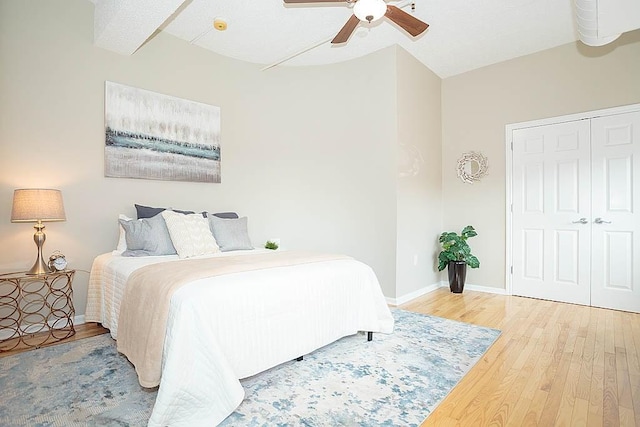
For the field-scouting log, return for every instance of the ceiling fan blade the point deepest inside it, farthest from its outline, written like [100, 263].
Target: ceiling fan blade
[410, 24]
[313, 1]
[344, 34]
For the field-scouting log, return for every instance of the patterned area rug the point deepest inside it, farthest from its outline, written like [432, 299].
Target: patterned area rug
[396, 379]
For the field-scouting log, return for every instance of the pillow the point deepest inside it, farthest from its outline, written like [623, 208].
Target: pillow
[230, 234]
[147, 237]
[122, 242]
[149, 212]
[190, 234]
[229, 215]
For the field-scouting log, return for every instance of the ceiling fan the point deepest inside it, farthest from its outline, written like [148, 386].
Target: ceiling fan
[370, 11]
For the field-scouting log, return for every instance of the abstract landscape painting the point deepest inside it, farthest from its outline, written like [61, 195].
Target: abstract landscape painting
[153, 136]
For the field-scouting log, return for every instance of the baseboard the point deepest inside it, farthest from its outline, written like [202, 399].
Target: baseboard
[79, 320]
[479, 288]
[443, 284]
[413, 295]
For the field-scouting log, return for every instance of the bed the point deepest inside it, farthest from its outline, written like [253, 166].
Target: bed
[231, 326]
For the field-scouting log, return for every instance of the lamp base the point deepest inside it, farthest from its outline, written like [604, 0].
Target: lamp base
[39, 267]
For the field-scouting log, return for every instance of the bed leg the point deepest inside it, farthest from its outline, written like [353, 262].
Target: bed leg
[369, 336]
[299, 359]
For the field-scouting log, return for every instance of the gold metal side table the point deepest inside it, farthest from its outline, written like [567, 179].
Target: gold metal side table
[35, 309]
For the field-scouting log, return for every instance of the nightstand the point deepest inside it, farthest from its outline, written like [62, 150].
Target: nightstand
[35, 309]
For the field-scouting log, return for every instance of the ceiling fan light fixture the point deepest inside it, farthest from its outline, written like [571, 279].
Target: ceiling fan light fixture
[370, 10]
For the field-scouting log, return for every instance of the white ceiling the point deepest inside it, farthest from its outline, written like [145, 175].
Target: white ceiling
[463, 34]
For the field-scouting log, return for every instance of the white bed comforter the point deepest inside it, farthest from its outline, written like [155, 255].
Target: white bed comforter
[225, 328]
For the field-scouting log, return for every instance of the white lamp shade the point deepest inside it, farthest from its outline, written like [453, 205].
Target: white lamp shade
[37, 204]
[372, 8]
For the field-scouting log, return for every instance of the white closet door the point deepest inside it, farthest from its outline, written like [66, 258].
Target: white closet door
[551, 212]
[615, 275]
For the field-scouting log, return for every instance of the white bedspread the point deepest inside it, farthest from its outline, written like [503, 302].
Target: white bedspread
[230, 327]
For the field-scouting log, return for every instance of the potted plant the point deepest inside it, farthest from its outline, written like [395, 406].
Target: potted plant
[456, 255]
[271, 245]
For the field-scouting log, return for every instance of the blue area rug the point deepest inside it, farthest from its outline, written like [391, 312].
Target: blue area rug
[396, 379]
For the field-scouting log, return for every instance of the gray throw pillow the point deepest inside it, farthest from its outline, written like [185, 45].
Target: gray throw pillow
[149, 212]
[147, 237]
[231, 234]
[229, 215]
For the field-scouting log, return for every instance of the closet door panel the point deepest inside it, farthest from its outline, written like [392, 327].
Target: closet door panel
[551, 193]
[615, 273]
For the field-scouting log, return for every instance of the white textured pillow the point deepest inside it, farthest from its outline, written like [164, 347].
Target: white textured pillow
[190, 234]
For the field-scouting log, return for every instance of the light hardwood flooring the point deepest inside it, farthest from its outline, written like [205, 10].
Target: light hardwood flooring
[85, 330]
[553, 365]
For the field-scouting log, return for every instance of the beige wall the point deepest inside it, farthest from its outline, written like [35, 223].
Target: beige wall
[419, 197]
[477, 105]
[307, 153]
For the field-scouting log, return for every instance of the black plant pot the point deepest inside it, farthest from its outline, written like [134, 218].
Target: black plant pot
[457, 274]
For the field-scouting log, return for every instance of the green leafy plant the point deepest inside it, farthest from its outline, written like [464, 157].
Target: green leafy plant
[271, 245]
[456, 248]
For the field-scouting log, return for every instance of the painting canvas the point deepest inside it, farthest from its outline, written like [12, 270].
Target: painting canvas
[153, 136]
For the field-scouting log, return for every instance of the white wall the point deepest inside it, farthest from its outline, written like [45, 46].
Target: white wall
[419, 197]
[307, 153]
[476, 107]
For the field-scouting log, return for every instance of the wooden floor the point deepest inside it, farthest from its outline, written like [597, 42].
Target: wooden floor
[553, 365]
[85, 330]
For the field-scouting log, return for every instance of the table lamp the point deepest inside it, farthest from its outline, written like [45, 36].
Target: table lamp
[37, 205]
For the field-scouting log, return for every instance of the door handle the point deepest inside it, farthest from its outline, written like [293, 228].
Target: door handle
[601, 221]
[581, 221]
